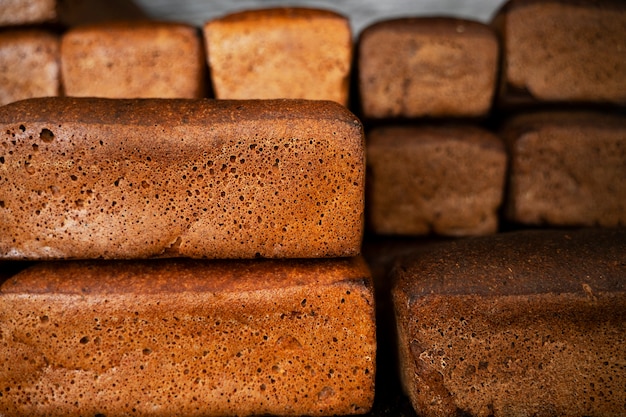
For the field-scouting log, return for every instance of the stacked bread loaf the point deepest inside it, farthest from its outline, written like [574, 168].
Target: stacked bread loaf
[135, 165]
[165, 253]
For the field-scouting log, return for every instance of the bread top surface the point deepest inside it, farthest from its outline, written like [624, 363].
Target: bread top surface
[415, 136]
[182, 275]
[278, 13]
[430, 26]
[151, 112]
[585, 262]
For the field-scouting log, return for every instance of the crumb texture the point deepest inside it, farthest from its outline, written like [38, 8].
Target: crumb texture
[87, 178]
[301, 341]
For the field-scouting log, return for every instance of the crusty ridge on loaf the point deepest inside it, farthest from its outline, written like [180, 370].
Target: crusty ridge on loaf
[89, 178]
[188, 337]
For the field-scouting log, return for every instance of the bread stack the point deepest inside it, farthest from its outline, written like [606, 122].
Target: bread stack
[152, 219]
[162, 253]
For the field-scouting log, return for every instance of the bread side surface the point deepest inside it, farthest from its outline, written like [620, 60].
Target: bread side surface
[442, 180]
[133, 60]
[26, 12]
[567, 169]
[185, 337]
[524, 323]
[89, 178]
[280, 53]
[29, 65]
[543, 61]
[440, 67]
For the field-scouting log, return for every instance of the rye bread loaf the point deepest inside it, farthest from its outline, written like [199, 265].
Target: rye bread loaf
[567, 169]
[563, 51]
[447, 180]
[438, 67]
[66, 12]
[525, 323]
[29, 65]
[188, 337]
[101, 178]
[133, 60]
[280, 53]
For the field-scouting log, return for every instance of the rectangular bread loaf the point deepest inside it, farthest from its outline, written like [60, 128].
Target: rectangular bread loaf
[98, 178]
[188, 337]
[133, 60]
[447, 180]
[562, 51]
[521, 323]
[567, 169]
[29, 64]
[282, 52]
[436, 67]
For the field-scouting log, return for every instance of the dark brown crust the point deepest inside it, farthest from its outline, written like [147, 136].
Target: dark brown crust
[431, 26]
[519, 263]
[146, 112]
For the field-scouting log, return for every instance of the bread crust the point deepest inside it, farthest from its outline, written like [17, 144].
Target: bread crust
[97, 178]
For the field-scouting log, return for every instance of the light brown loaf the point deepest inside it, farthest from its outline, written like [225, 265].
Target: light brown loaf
[567, 169]
[525, 323]
[182, 337]
[280, 53]
[29, 65]
[23, 12]
[562, 51]
[447, 180]
[438, 67]
[98, 178]
[133, 60]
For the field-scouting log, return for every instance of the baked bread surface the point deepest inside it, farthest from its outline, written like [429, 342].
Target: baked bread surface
[188, 337]
[520, 323]
[98, 178]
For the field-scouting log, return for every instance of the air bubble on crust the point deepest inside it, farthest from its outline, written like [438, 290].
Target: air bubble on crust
[46, 135]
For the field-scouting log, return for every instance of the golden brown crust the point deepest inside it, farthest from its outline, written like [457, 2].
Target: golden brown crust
[25, 12]
[293, 338]
[30, 64]
[280, 53]
[133, 60]
[520, 323]
[144, 178]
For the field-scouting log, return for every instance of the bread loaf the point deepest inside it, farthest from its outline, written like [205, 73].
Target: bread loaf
[567, 169]
[184, 337]
[280, 53]
[29, 65]
[447, 180]
[563, 51]
[415, 67]
[133, 60]
[23, 12]
[100, 178]
[525, 323]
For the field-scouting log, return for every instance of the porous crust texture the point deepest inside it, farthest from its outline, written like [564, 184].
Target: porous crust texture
[280, 53]
[133, 60]
[29, 65]
[567, 169]
[99, 178]
[563, 50]
[439, 67]
[523, 323]
[188, 338]
[23, 12]
[447, 180]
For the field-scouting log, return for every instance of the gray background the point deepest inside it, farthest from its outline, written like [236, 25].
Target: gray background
[360, 12]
